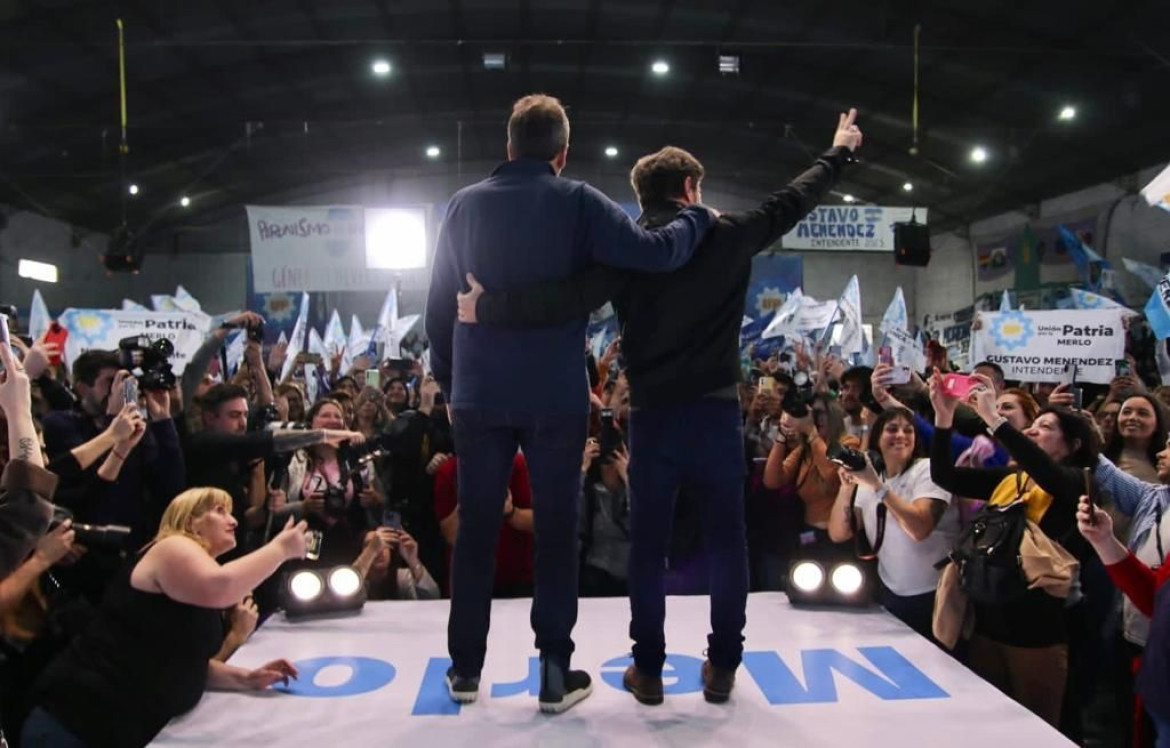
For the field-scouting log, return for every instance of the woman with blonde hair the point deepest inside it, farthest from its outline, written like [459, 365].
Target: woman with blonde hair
[148, 655]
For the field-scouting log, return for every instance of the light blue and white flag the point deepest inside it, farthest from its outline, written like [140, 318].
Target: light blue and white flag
[235, 352]
[384, 327]
[185, 301]
[335, 341]
[1157, 192]
[164, 303]
[299, 338]
[895, 317]
[852, 333]
[1158, 309]
[132, 306]
[38, 317]
[1147, 274]
[1005, 301]
[1089, 300]
[359, 341]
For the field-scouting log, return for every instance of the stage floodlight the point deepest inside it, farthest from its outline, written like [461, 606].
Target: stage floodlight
[316, 592]
[821, 575]
[396, 238]
[978, 154]
[185, 201]
[849, 198]
[808, 576]
[133, 189]
[847, 579]
[611, 151]
[33, 270]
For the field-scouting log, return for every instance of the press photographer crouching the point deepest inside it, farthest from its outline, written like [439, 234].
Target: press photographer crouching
[148, 656]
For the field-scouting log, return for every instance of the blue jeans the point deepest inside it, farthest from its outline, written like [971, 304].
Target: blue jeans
[485, 443]
[699, 444]
[1162, 725]
[42, 730]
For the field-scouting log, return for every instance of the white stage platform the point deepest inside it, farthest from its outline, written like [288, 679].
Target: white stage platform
[810, 678]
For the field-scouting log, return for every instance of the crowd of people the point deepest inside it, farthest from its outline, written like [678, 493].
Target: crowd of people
[142, 530]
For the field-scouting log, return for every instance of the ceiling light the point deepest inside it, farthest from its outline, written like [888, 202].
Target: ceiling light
[849, 198]
[1067, 113]
[133, 189]
[40, 271]
[908, 187]
[660, 67]
[433, 151]
[185, 201]
[380, 67]
[729, 64]
[611, 151]
[978, 154]
[495, 61]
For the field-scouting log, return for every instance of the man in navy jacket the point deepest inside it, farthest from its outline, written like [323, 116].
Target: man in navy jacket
[529, 388]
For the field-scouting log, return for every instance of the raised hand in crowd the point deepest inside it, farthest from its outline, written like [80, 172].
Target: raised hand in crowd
[611, 353]
[944, 405]
[37, 357]
[982, 399]
[128, 420]
[16, 402]
[1062, 396]
[427, 392]
[437, 462]
[592, 452]
[1125, 385]
[1096, 526]
[276, 355]
[848, 134]
[117, 397]
[293, 540]
[407, 548]
[158, 404]
[878, 382]
[467, 301]
[621, 463]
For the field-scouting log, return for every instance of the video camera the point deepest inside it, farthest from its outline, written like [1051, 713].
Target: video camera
[153, 357]
[91, 536]
[854, 459]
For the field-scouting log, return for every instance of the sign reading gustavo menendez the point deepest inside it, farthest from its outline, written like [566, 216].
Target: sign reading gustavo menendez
[1036, 346]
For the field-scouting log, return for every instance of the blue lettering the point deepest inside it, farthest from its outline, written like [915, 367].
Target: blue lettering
[530, 685]
[685, 672]
[365, 674]
[780, 686]
[432, 699]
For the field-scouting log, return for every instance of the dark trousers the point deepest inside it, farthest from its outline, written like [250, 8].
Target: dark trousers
[700, 445]
[485, 443]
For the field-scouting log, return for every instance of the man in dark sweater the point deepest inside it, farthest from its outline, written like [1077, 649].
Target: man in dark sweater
[522, 225]
[680, 340]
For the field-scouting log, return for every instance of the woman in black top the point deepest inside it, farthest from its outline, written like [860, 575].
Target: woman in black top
[1021, 647]
[148, 656]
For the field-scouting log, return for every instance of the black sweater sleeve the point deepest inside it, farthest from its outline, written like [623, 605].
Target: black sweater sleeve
[784, 208]
[977, 483]
[1064, 483]
[554, 303]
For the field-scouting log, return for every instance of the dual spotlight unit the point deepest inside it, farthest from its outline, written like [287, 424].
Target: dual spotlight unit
[312, 592]
[831, 579]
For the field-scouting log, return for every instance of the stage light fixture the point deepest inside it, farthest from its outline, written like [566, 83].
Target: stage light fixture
[822, 576]
[396, 238]
[380, 67]
[660, 67]
[978, 154]
[611, 151]
[1067, 113]
[41, 271]
[433, 151]
[133, 189]
[123, 254]
[729, 64]
[495, 61]
[849, 199]
[312, 592]
[185, 201]
[908, 187]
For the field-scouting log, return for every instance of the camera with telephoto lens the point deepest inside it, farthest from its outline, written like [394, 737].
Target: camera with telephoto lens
[854, 459]
[153, 357]
[91, 536]
[798, 399]
[256, 333]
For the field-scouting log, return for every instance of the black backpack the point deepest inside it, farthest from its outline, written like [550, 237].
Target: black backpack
[988, 555]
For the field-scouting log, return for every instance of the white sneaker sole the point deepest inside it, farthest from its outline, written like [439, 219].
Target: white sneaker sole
[570, 700]
[462, 697]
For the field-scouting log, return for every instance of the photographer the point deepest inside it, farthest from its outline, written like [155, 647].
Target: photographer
[337, 493]
[390, 565]
[925, 521]
[148, 656]
[605, 521]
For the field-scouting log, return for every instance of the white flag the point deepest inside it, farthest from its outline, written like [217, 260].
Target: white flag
[1005, 302]
[335, 342]
[38, 317]
[384, 328]
[359, 341]
[235, 352]
[132, 306]
[297, 341]
[895, 317]
[1157, 192]
[852, 334]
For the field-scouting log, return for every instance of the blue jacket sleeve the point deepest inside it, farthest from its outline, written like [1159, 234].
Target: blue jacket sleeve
[612, 238]
[441, 310]
[1126, 490]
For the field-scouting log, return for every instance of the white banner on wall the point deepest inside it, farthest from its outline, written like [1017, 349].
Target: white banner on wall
[101, 329]
[1036, 346]
[866, 228]
[312, 248]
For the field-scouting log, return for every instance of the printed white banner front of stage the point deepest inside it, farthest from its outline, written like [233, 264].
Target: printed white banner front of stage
[312, 248]
[101, 329]
[850, 227]
[1036, 346]
[809, 679]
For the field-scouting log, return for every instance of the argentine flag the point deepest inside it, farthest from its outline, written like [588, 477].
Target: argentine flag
[1158, 309]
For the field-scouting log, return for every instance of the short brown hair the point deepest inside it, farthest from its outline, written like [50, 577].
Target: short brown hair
[538, 127]
[660, 176]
